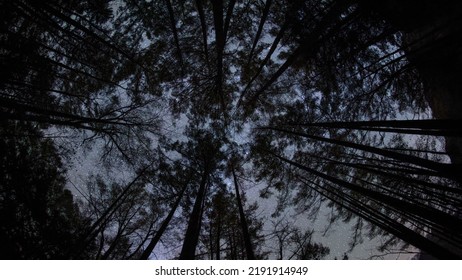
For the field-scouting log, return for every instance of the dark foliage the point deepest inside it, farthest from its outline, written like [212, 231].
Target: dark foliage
[346, 105]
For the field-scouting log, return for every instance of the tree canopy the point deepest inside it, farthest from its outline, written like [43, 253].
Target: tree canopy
[197, 113]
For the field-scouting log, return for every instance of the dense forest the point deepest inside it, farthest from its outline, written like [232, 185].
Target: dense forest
[157, 129]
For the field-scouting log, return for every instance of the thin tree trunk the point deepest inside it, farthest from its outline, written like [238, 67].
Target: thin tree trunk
[446, 170]
[217, 240]
[43, 114]
[113, 246]
[69, 20]
[281, 248]
[265, 60]
[260, 29]
[418, 151]
[45, 11]
[147, 252]
[211, 250]
[425, 127]
[141, 244]
[121, 231]
[229, 13]
[379, 169]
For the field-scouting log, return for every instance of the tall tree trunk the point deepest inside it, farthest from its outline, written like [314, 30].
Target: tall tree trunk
[385, 172]
[438, 127]
[143, 241]
[244, 225]
[211, 246]
[281, 248]
[160, 232]
[47, 10]
[188, 251]
[43, 115]
[121, 231]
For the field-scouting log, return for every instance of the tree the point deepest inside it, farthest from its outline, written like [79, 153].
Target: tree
[121, 220]
[223, 236]
[206, 155]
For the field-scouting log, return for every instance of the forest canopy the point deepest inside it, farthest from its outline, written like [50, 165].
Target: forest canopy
[163, 129]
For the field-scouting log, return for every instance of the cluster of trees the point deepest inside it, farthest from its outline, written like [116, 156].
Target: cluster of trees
[343, 104]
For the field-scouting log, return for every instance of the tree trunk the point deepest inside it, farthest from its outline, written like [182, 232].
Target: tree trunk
[217, 240]
[175, 32]
[446, 170]
[439, 127]
[260, 28]
[200, 10]
[431, 38]
[265, 60]
[244, 225]
[160, 232]
[188, 251]
[229, 13]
